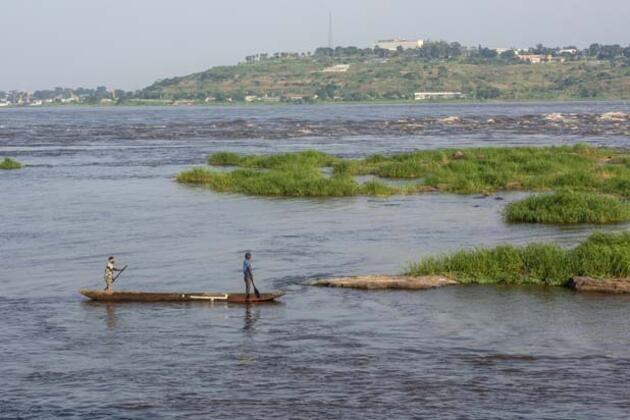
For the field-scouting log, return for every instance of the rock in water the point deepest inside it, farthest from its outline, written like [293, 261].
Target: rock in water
[614, 116]
[451, 120]
[588, 284]
[558, 118]
[387, 282]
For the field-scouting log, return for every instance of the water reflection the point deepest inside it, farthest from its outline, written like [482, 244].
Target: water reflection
[110, 312]
[111, 318]
[251, 317]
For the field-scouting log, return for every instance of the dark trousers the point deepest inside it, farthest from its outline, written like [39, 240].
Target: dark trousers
[249, 282]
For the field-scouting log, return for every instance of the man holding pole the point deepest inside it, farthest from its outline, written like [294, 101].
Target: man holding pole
[248, 276]
[109, 273]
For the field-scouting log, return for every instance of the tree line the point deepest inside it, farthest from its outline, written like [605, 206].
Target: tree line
[451, 50]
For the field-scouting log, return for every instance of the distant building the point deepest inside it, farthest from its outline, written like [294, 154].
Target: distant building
[337, 68]
[534, 58]
[569, 51]
[501, 50]
[72, 98]
[516, 51]
[293, 97]
[394, 44]
[423, 96]
[266, 98]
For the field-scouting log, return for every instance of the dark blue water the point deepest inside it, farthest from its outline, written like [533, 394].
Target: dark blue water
[464, 352]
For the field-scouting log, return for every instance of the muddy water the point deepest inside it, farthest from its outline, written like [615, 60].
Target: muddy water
[469, 352]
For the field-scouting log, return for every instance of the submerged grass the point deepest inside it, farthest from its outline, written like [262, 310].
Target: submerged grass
[467, 171]
[9, 163]
[568, 207]
[599, 256]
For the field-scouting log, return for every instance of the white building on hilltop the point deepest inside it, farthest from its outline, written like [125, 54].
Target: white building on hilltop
[337, 68]
[394, 44]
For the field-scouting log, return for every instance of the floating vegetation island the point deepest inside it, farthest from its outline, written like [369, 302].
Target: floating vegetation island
[605, 256]
[9, 163]
[467, 171]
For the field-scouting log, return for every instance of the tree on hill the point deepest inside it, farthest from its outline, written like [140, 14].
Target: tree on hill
[508, 55]
[605, 52]
[324, 52]
[487, 53]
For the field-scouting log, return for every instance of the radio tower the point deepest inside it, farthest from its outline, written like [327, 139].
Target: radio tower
[330, 33]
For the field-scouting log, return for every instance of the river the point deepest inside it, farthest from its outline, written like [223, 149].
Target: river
[99, 182]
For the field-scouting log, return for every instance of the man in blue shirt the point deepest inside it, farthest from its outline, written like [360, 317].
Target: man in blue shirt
[248, 274]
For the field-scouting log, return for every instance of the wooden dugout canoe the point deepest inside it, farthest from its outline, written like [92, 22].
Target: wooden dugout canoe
[129, 296]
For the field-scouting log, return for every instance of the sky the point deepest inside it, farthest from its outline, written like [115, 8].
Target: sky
[129, 44]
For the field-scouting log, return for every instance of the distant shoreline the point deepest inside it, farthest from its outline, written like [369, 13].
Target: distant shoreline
[323, 103]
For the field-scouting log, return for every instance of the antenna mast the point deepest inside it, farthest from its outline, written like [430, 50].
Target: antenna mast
[330, 31]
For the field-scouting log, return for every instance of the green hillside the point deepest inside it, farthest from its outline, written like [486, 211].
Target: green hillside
[302, 79]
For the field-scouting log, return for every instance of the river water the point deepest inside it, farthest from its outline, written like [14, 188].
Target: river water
[100, 182]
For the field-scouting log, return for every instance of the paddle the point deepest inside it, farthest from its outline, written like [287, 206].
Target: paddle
[256, 292]
[119, 273]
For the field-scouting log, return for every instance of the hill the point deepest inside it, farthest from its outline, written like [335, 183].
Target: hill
[304, 78]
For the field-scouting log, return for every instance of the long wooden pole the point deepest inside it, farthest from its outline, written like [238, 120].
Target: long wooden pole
[119, 273]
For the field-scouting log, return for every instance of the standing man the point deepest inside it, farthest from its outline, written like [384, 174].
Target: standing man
[109, 273]
[248, 274]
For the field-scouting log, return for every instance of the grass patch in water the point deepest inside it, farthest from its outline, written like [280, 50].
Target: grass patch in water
[600, 256]
[568, 207]
[488, 170]
[280, 161]
[466, 171]
[285, 175]
[297, 182]
[9, 163]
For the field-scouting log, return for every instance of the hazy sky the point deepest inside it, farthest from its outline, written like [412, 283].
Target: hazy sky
[130, 43]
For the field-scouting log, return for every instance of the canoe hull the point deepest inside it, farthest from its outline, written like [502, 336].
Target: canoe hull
[131, 296]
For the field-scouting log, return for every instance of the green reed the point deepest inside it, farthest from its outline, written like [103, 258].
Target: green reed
[601, 255]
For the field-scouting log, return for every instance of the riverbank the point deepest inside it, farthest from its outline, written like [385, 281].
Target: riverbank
[156, 103]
